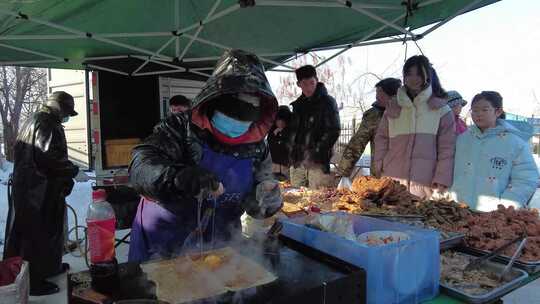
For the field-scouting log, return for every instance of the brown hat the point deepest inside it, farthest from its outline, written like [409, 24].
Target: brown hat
[63, 102]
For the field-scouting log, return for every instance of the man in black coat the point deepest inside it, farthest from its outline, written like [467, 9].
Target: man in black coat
[313, 132]
[42, 178]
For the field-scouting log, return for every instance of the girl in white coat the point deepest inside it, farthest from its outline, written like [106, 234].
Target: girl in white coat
[493, 162]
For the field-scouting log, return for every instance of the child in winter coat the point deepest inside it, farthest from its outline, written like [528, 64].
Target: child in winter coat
[494, 164]
[416, 136]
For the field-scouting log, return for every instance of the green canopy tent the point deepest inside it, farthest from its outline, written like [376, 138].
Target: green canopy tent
[148, 37]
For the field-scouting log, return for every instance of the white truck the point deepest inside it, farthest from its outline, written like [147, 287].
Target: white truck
[115, 113]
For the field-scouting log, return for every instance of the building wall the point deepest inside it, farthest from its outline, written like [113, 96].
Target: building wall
[73, 82]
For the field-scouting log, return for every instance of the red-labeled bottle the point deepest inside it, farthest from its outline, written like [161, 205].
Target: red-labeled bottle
[101, 225]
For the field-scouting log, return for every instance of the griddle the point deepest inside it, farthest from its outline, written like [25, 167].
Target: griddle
[304, 275]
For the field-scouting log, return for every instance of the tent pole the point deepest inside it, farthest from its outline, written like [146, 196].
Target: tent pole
[156, 54]
[77, 32]
[97, 67]
[157, 73]
[375, 32]
[221, 46]
[323, 4]
[199, 30]
[218, 15]
[461, 11]
[177, 25]
[29, 62]
[199, 73]
[200, 59]
[375, 17]
[106, 57]
[39, 37]
[282, 71]
[181, 69]
[7, 46]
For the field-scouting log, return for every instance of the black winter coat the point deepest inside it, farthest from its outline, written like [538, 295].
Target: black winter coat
[42, 178]
[314, 129]
[165, 167]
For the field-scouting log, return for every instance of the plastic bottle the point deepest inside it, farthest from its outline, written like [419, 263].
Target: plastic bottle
[101, 225]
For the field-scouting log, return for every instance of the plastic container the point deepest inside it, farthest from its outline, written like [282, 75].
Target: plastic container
[101, 223]
[17, 293]
[403, 272]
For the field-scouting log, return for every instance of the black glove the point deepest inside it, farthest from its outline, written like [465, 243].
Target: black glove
[195, 180]
[264, 202]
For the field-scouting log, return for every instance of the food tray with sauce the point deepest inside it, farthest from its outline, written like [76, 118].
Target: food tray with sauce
[481, 289]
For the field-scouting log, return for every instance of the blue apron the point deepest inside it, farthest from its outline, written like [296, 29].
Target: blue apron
[159, 232]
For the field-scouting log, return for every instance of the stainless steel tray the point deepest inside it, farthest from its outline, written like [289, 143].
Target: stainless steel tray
[454, 240]
[517, 275]
[529, 267]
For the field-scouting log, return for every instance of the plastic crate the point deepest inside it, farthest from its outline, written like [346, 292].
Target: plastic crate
[404, 272]
[17, 293]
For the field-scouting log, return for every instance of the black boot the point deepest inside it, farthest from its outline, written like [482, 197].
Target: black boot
[63, 268]
[43, 288]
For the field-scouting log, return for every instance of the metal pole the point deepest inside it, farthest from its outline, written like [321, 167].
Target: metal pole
[199, 30]
[7, 46]
[77, 32]
[221, 46]
[29, 62]
[374, 17]
[177, 25]
[157, 73]
[368, 36]
[156, 54]
[459, 12]
[323, 4]
[97, 67]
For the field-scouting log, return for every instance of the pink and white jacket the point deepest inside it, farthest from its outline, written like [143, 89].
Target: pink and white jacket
[416, 140]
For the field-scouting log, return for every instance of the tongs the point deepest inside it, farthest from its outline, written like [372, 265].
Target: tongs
[476, 263]
[517, 253]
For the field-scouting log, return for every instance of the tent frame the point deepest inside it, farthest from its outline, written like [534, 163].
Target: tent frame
[157, 57]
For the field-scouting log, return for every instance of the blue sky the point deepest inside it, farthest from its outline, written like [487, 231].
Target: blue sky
[494, 48]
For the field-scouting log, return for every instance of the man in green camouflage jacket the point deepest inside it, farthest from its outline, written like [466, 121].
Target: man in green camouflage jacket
[386, 89]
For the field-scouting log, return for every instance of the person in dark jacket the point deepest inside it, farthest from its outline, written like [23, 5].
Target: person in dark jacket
[215, 162]
[314, 129]
[42, 178]
[278, 144]
[179, 103]
[386, 89]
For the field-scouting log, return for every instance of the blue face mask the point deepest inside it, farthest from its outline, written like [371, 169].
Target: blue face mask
[65, 119]
[229, 126]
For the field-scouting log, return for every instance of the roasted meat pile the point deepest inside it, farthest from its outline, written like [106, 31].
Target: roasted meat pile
[491, 230]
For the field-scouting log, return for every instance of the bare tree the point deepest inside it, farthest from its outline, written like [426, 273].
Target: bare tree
[22, 91]
[348, 91]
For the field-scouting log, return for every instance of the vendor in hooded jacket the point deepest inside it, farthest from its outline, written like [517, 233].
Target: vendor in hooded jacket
[217, 158]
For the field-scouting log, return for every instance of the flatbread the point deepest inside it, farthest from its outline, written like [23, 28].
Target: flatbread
[186, 279]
